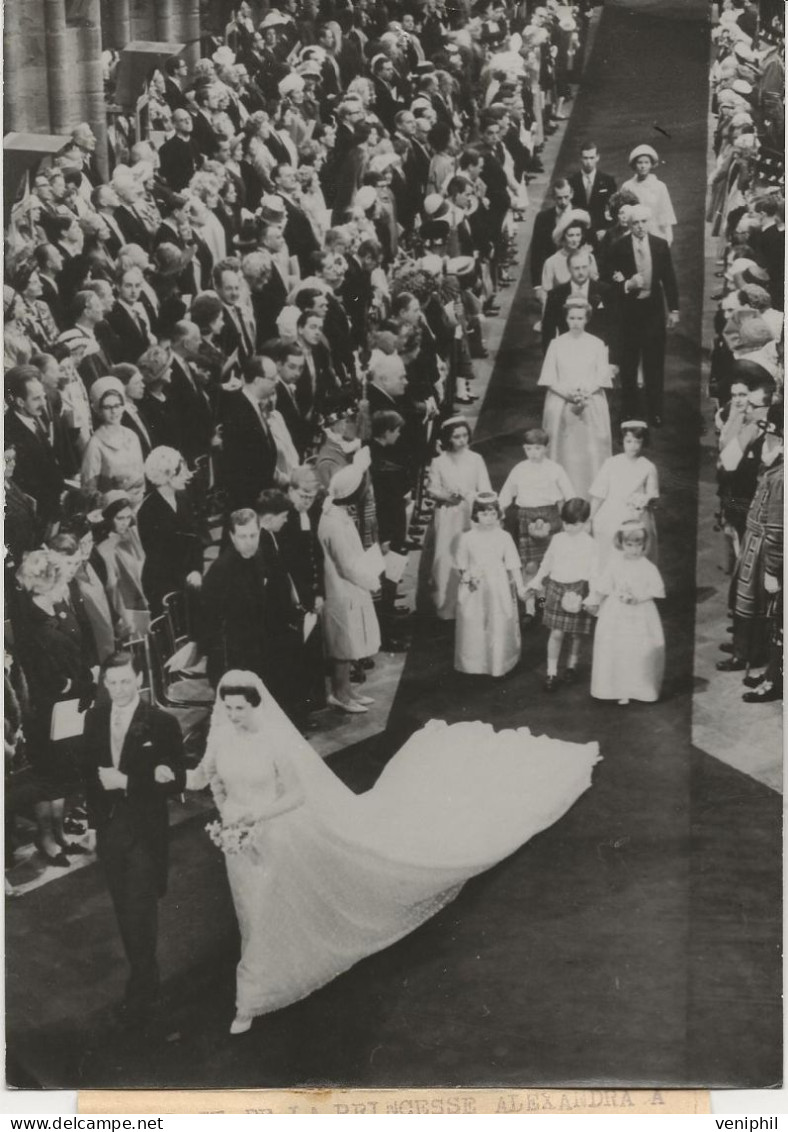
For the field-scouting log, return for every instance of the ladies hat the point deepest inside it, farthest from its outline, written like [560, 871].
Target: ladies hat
[632, 424]
[275, 18]
[461, 265]
[432, 264]
[571, 216]
[383, 161]
[366, 197]
[774, 425]
[272, 210]
[643, 151]
[106, 385]
[248, 237]
[453, 422]
[345, 482]
[290, 83]
[168, 259]
[435, 206]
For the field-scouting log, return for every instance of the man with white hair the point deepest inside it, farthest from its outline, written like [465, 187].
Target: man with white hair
[641, 269]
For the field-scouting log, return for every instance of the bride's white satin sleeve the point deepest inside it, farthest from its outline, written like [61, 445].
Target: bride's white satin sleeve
[207, 774]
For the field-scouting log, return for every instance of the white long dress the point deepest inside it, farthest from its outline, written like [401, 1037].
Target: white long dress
[343, 875]
[624, 485]
[580, 443]
[654, 194]
[629, 643]
[465, 475]
[487, 635]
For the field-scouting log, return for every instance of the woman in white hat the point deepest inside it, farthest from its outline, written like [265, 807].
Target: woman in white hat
[570, 234]
[651, 192]
[113, 453]
[350, 624]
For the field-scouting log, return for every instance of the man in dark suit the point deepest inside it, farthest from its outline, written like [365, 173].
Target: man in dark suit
[642, 270]
[592, 189]
[204, 135]
[188, 393]
[356, 290]
[299, 234]
[128, 319]
[294, 404]
[282, 618]
[133, 762]
[248, 458]
[387, 101]
[769, 244]
[179, 155]
[302, 555]
[38, 472]
[176, 73]
[232, 599]
[237, 334]
[542, 246]
[579, 286]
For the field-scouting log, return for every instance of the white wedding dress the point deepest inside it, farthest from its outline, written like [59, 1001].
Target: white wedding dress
[344, 875]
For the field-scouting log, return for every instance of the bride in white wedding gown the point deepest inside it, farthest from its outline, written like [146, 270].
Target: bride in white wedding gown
[322, 877]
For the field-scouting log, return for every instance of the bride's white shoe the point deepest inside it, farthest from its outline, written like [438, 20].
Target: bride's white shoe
[241, 1023]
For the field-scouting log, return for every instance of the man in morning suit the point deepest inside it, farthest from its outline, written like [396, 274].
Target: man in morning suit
[592, 189]
[542, 246]
[37, 473]
[642, 271]
[248, 457]
[133, 760]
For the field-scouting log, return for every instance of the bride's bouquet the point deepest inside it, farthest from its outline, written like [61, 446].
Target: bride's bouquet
[245, 835]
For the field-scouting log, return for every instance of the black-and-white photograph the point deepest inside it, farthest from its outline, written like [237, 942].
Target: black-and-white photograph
[394, 543]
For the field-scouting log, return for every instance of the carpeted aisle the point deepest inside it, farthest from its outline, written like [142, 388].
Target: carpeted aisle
[635, 942]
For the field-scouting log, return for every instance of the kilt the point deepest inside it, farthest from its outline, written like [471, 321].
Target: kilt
[532, 550]
[555, 617]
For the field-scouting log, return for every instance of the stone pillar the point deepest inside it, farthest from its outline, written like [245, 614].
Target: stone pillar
[60, 98]
[95, 103]
[166, 21]
[12, 54]
[121, 23]
[191, 29]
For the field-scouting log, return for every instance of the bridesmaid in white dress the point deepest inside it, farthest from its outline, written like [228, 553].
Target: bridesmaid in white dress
[456, 478]
[487, 637]
[629, 643]
[321, 877]
[651, 192]
[576, 417]
[626, 487]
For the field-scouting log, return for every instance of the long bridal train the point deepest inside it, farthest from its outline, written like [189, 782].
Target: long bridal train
[322, 877]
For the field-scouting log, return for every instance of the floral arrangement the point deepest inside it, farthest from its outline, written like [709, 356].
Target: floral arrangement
[472, 581]
[638, 502]
[408, 276]
[246, 835]
[578, 399]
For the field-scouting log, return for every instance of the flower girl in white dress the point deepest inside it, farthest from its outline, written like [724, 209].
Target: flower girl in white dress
[321, 877]
[629, 644]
